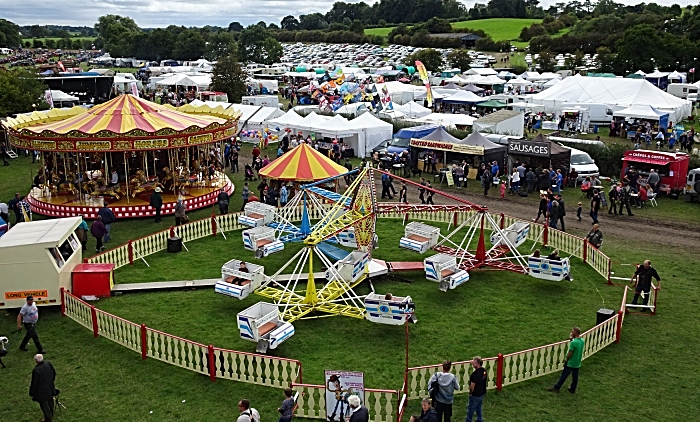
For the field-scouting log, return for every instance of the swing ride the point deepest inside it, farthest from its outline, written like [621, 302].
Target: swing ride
[349, 220]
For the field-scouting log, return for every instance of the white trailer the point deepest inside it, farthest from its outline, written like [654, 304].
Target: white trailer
[37, 258]
[261, 100]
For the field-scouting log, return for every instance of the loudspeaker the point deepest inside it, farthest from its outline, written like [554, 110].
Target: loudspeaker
[174, 244]
[604, 315]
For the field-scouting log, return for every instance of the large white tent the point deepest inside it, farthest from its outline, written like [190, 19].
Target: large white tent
[448, 119]
[617, 93]
[201, 81]
[413, 110]
[463, 97]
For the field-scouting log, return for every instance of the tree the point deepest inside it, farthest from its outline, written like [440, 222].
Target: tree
[357, 27]
[20, 89]
[605, 60]
[459, 58]
[289, 23]
[546, 61]
[117, 33]
[220, 44]
[235, 27]
[228, 76]
[190, 45]
[640, 47]
[51, 43]
[431, 59]
[9, 34]
[256, 44]
[312, 21]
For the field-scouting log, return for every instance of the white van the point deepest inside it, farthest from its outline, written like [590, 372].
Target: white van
[682, 90]
[583, 164]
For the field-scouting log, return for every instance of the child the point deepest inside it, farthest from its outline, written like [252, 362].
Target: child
[578, 211]
[287, 407]
[503, 189]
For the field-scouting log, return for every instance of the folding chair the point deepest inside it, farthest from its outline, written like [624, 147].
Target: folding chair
[652, 200]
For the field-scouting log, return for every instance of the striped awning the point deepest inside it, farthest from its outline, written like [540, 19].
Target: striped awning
[303, 163]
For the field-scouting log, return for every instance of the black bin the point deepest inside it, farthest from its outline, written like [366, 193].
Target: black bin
[174, 244]
[604, 315]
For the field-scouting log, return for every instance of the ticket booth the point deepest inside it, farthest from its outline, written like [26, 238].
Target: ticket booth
[37, 258]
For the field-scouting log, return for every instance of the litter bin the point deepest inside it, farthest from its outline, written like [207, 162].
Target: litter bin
[174, 244]
[595, 128]
[604, 315]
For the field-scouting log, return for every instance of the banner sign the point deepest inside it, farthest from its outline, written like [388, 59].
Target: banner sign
[447, 146]
[339, 386]
[533, 149]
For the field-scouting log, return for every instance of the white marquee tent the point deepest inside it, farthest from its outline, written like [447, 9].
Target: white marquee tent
[617, 93]
[413, 110]
[448, 119]
[640, 111]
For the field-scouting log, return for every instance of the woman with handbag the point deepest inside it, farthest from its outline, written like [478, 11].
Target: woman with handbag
[180, 215]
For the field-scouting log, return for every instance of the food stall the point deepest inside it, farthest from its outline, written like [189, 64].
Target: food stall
[671, 166]
[37, 258]
[540, 152]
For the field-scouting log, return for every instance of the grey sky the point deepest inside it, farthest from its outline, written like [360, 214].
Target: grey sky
[152, 13]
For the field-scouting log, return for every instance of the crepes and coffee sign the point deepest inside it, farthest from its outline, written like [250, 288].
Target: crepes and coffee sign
[532, 149]
[447, 146]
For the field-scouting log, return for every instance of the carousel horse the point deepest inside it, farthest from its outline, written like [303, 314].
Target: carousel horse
[67, 186]
[100, 188]
[167, 181]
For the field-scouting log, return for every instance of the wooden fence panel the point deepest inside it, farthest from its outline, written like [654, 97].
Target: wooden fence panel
[78, 310]
[177, 351]
[119, 330]
[256, 369]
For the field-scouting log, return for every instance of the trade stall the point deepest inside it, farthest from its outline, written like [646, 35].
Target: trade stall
[502, 122]
[540, 152]
[672, 167]
[490, 151]
[37, 258]
[449, 147]
[644, 112]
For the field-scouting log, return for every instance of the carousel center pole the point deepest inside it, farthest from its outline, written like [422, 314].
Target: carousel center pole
[126, 173]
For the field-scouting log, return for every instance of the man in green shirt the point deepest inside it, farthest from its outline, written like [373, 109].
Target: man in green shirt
[572, 363]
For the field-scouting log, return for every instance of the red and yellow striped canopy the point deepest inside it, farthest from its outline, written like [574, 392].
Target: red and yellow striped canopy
[125, 114]
[303, 163]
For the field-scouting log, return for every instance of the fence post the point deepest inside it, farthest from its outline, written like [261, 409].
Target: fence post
[405, 219]
[656, 296]
[610, 283]
[86, 260]
[212, 366]
[63, 301]
[172, 231]
[131, 253]
[95, 328]
[213, 225]
[454, 219]
[499, 373]
[503, 221]
[585, 252]
[619, 326]
[144, 346]
[545, 234]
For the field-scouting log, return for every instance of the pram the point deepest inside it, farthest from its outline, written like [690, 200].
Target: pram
[249, 173]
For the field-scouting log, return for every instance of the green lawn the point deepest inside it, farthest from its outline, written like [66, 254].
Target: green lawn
[379, 31]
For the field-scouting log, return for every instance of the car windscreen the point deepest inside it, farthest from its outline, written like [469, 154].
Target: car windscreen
[581, 160]
[400, 142]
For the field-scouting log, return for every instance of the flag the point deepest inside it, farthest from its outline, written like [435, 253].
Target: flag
[423, 73]
[49, 97]
[380, 79]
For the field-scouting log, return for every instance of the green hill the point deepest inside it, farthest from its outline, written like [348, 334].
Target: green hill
[500, 29]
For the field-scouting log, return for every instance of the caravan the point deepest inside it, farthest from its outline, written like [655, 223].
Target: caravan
[682, 90]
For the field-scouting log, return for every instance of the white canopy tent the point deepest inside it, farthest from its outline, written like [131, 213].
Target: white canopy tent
[448, 119]
[413, 110]
[639, 111]
[481, 71]
[290, 119]
[372, 132]
[201, 81]
[59, 97]
[617, 93]
[530, 76]
[519, 82]
[463, 97]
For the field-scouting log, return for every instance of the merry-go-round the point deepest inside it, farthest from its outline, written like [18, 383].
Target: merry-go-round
[119, 152]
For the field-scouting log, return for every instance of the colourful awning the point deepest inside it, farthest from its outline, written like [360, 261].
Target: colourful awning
[303, 163]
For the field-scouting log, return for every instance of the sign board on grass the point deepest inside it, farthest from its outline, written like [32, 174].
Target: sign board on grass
[339, 386]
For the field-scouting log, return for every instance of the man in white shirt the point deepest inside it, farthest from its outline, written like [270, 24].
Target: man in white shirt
[28, 316]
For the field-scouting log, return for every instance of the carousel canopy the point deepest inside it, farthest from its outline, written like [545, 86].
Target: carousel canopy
[123, 124]
[302, 163]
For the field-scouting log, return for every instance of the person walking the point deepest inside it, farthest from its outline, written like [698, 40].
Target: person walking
[531, 180]
[572, 364]
[284, 195]
[13, 204]
[553, 213]
[444, 396]
[542, 209]
[642, 281]
[245, 194]
[624, 199]
[287, 408]
[222, 200]
[562, 212]
[43, 389]
[613, 194]
[98, 231]
[157, 202]
[82, 232]
[180, 213]
[27, 318]
[595, 206]
[421, 190]
[248, 414]
[595, 237]
[477, 389]
[427, 413]
[385, 186]
[403, 193]
[430, 193]
[108, 219]
[486, 181]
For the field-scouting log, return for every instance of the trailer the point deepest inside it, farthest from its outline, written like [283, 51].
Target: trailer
[37, 258]
[239, 284]
[419, 237]
[261, 324]
[443, 269]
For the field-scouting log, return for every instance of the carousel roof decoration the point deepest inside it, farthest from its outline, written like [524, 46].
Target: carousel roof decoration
[124, 123]
[302, 163]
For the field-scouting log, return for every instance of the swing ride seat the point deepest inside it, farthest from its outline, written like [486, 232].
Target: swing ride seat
[392, 311]
[261, 239]
[419, 237]
[350, 268]
[516, 234]
[257, 214]
[332, 252]
[549, 269]
[249, 280]
[262, 322]
[443, 269]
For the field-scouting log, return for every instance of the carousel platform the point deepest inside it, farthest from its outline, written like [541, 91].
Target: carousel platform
[69, 205]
